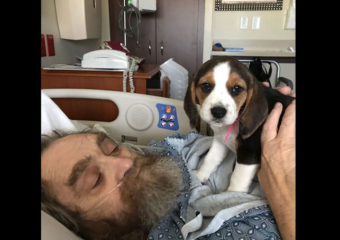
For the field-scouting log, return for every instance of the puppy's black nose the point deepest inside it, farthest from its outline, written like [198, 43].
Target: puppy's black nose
[218, 112]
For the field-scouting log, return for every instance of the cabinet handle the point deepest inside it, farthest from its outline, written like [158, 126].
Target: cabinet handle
[149, 47]
[162, 48]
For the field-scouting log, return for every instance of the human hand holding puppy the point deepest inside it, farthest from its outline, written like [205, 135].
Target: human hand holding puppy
[277, 171]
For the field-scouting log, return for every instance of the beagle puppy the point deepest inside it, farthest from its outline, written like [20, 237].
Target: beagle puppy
[226, 95]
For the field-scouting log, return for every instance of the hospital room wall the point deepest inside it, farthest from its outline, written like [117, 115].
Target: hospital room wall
[67, 51]
[226, 25]
[216, 25]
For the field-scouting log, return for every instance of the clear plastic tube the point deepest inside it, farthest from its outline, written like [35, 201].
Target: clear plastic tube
[99, 203]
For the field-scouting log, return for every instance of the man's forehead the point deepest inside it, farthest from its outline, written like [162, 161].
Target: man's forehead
[75, 139]
[58, 159]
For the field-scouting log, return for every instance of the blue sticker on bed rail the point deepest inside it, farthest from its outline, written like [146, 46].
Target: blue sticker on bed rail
[167, 117]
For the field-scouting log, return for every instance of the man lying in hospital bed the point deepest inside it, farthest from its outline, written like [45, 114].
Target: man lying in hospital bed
[199, 210]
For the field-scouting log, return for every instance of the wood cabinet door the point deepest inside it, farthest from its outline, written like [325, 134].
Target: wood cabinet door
[147, 39]
[177, 26]
[179, 32]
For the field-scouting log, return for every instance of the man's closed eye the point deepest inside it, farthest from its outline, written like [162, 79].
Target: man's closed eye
[99, 180]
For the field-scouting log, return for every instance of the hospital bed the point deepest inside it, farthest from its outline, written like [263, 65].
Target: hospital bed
[141, 118]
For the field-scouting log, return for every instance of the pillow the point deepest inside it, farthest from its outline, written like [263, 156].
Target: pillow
[52, 117]
[51, 229]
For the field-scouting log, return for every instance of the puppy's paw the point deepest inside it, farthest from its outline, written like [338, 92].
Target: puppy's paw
[201, 175]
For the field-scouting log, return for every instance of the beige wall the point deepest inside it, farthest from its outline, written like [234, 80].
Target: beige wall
[66, 51]
[221, 25]
[225, 25]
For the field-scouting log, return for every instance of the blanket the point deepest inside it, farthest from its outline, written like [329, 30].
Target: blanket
[208, 210]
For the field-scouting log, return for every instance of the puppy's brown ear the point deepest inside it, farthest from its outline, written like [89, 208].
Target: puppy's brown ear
[255, 110]
[190, 106]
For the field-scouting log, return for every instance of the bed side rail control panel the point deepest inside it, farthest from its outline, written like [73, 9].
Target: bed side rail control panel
[167, 117]
[141, 118]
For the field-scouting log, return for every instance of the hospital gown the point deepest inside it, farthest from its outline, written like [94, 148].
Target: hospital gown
[207, 211]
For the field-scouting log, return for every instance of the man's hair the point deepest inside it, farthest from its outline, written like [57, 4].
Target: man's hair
[53, 207]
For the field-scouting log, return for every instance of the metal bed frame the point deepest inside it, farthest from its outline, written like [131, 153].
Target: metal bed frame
[278, 79]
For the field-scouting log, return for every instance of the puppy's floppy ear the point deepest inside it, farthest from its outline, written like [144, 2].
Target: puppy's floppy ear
[255, 110]
[190, 106]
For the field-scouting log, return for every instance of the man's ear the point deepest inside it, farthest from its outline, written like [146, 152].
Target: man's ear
[255, 110]
[190, 106]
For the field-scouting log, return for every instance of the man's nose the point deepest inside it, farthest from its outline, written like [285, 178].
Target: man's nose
[122, 165]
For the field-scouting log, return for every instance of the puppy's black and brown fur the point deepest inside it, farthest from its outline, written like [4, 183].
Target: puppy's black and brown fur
[224, 92]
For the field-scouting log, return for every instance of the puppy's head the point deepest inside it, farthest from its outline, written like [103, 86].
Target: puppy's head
[224, 90]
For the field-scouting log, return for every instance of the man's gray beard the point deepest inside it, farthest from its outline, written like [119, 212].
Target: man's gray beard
[150, 191]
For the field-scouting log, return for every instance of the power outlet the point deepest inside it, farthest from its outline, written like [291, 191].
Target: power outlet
[256, 22]
[244, 22]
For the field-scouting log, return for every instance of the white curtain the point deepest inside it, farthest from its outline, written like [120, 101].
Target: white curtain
[290, 18]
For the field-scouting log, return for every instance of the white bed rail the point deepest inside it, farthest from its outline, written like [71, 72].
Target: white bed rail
[141, 117]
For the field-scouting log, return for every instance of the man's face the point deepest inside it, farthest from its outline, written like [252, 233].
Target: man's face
[92, 174]
[83, 169]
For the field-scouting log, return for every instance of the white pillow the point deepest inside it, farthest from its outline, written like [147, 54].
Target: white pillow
[51, 229]
[52, 117]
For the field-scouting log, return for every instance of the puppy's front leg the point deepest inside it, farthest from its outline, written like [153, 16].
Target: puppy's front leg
[212, 160]
[242, 177]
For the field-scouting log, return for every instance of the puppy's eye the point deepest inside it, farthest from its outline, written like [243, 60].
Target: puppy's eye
[206, 87]
[236, 90]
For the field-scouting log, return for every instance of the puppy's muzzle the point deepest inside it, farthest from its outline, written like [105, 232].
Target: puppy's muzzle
[218, 112]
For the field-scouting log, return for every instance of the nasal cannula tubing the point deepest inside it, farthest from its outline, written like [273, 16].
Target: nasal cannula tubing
[106, 195]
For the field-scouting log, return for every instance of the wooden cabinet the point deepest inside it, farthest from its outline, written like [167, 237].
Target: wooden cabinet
[175, 30]
[105, 80]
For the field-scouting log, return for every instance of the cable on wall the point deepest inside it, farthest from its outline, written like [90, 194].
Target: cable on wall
[131, 30]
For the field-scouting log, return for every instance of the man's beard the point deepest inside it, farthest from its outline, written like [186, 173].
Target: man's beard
[149, 190]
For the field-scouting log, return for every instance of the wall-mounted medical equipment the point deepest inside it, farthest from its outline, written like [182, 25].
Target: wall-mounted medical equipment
[79, 19]
[145, 5]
